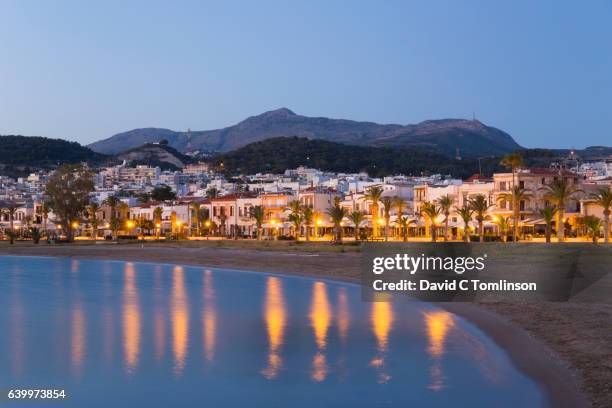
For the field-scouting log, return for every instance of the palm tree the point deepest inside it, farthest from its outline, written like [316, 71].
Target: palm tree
[515, 196]
[356, 218]
[44, 209]
[593, 224]
[503, 223]
[513, 161]
[195, 207]
[603, 197]
[399, 204]
[373, 194]
[307, 217]
[431, 211]
[92, 215]
[446, 202]
[296, 217]
[479, 205]
[257, 212]
[337, 214]
[157, 218]
[115, 222]
[387, 203]
[559, 192]
[10, 208]
[548, 214]
[465, 213]
[404, 222]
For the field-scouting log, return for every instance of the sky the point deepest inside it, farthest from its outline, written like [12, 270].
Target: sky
[83, 71]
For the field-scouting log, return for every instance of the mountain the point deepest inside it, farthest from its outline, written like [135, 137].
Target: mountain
[155, 154]
[275, 155]
[471, 137]
[19, 155]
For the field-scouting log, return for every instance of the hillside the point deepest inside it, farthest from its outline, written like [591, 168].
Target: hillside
[20, 155]
[275, 155]
[156, 154]
[472, 138]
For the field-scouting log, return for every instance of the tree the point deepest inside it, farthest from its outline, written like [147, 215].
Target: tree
[145, 225]
[603, 197]
[257, 212]
[465, 213]
[548, 214]
[195, 208]
[222, 224]
[559, 192]
[10, 208]
[387, 203]
[479, 205]
[404, 222]
[157, 218]
[296, 217]
[337, 214]
[35, 233]
[373, 194]
[503, 223]
[92, 216]
[515, 196]
[44, 209]
[307, 217]
[212, 193]
[114, 222]
[431, 212]
[356, 218]
[399, 204]
[68, 190]
[513, 161]
[592, 224]
[446, 202]
[163, 193]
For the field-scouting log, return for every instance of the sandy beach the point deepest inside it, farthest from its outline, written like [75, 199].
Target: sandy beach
[566, 347]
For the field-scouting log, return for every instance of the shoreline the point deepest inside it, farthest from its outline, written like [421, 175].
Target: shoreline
[559, 381]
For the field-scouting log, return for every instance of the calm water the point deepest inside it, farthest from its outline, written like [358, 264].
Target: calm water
[135, 334]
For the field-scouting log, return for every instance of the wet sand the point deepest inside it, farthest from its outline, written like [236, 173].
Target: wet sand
[565, 347]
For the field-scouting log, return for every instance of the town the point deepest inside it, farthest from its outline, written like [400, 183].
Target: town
[127, 202]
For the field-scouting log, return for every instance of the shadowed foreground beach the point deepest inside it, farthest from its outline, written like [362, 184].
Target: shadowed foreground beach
[566, 347]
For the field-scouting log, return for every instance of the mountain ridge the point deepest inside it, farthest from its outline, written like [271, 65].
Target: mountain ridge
[469, 137]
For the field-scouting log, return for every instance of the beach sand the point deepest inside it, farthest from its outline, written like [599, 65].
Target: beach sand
[565, 347]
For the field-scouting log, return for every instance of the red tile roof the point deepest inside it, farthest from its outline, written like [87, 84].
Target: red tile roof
[552, 172]
[478, 177]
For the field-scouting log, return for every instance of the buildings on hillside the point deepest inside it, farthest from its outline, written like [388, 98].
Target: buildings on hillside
[209, 203]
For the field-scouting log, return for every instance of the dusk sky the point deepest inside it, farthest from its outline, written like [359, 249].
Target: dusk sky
[84, 71]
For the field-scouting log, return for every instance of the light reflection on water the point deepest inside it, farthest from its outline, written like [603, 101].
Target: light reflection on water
[180, 319]
[274, 314]
[236, 339]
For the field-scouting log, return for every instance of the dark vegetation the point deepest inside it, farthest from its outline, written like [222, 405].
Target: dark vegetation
[20, 155]
[278, 154]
